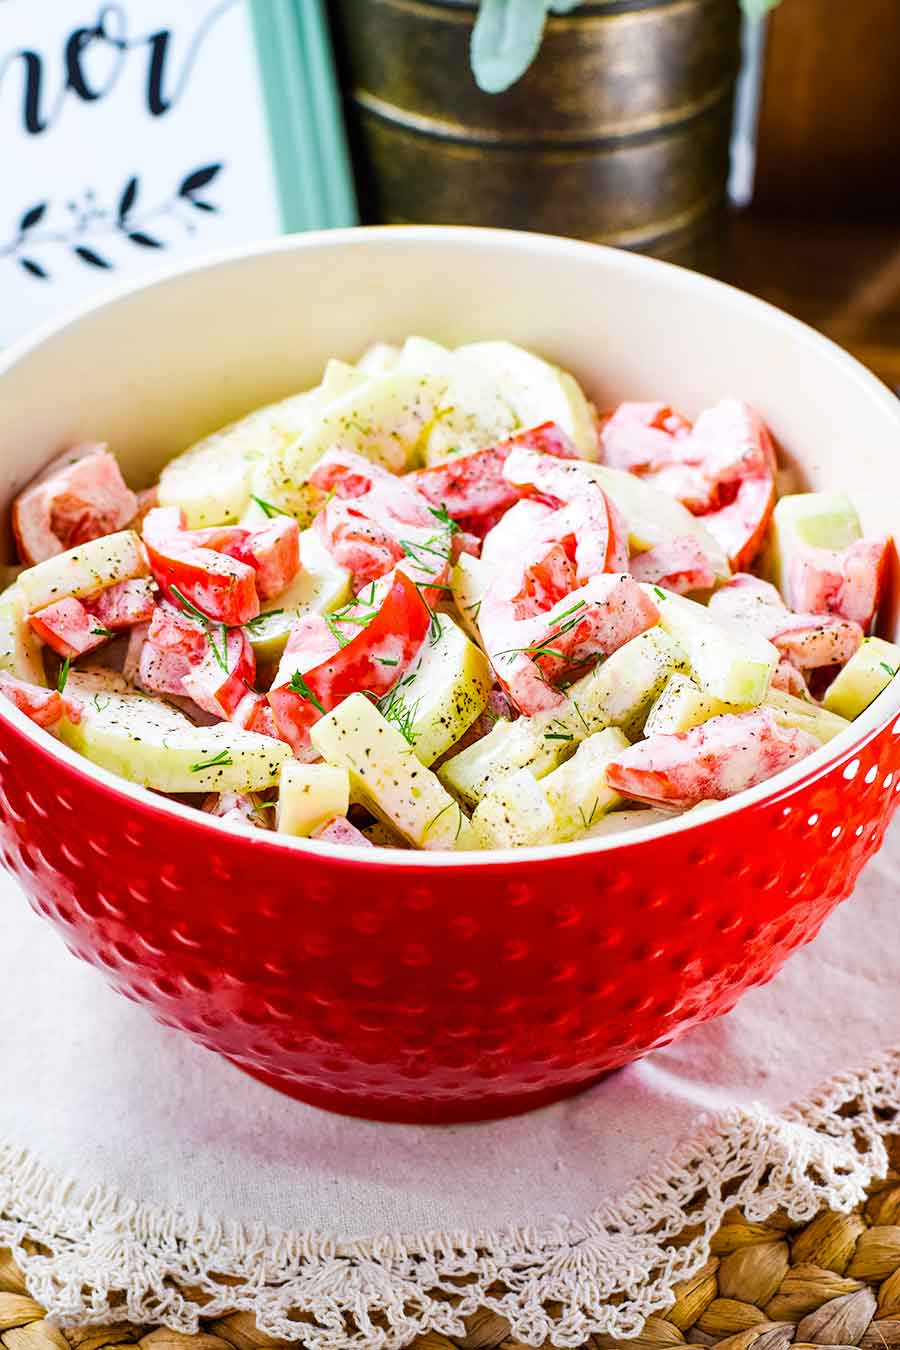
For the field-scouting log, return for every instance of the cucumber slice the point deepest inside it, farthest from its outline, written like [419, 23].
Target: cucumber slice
[211, 480]
[514, 814]
[789, 711]
[474, 411]
[617, 693]
[20, 651]
[469, 582]
[320, 586]
[151, 743]
[309, 795]
[682, 705]
[810, 520]
[535, 390]
[727, 664]
[654, 517]
[387, 778]
[577, 792]
[84, 569]
[445, 690]
[867, 674]
[386, 419]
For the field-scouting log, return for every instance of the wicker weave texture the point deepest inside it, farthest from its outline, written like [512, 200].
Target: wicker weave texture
[832, 1282]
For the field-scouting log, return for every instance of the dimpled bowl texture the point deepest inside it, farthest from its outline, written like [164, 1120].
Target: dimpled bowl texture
[419, 987]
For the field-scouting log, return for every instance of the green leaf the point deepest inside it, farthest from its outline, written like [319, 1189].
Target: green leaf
[505, 41]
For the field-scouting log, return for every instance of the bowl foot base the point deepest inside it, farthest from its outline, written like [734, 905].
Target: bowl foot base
[412, 1111]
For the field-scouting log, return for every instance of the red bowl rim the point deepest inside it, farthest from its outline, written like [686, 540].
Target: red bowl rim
[844, 747]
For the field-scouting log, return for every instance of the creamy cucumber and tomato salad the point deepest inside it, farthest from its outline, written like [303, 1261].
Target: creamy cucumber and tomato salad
[440, 601]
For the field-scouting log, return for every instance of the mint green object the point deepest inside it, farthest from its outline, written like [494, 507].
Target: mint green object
[507, 36]
[309, 147]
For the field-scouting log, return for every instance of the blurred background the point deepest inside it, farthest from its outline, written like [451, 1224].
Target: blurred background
[759, 144]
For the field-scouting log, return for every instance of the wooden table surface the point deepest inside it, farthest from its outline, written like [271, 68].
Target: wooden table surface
[843, 278]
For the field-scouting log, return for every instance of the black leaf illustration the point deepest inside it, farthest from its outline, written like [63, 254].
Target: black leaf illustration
[34, 268]
[198, 179]
[32, 216]
[128, 198]
[145, 240]
[89, 256]
[203, 206]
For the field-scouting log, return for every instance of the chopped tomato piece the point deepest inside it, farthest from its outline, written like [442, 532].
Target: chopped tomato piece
[80, 496]
[160, 671]
[174, 630]
[529, 653]
[46, 707]
[219, 586]
[714, 760]
[68, 627]
[680, 564]
[640, 436]
[339, 830]
[472, 487]
[848, 582]
[740, 527]
[124, 604]
[584, 511]
[224, 674]
[786, 676]
[809, 641]
[237, 807]
[254, 713]
[373, 660]
[375, 520]
[274, 552]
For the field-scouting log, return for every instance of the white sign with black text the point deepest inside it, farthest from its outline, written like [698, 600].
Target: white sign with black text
[131, 133]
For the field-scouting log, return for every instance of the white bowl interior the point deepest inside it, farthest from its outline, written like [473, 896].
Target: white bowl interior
[153, 368]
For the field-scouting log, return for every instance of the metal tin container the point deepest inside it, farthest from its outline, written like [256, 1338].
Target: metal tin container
[619, 132]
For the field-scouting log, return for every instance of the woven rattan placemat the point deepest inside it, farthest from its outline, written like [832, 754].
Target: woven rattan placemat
[832, 1282]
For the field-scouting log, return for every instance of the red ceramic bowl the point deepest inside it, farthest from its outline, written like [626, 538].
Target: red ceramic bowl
[426, 987]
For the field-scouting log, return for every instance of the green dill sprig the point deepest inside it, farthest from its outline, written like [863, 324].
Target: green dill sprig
[890, 670]
[268, 508]
[299, 686]
[442, 515]
[63, 676]
[394, 708]
[222, 759]
[100, 631]
[253, 624]
[586, 822]
[221, 657]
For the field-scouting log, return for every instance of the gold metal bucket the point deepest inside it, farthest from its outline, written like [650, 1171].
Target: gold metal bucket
[619, 132]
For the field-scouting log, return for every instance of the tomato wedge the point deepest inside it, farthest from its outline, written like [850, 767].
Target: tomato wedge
[472, 488]
[680, 564]
[219, 586]
[714, 760]
[809, 641]
[373, 661]
[583, 510]
[45, 707]
[848, 582]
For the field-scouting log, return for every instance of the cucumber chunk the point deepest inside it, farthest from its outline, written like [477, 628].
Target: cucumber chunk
[731, 666]
[445, 690]
[387, 778]
[683, 704]
[809, 520]
[151, 743]
[309, 795]
[386, 419]
[867, 674]
[84, 569]
[617, 693]
[20, 651]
